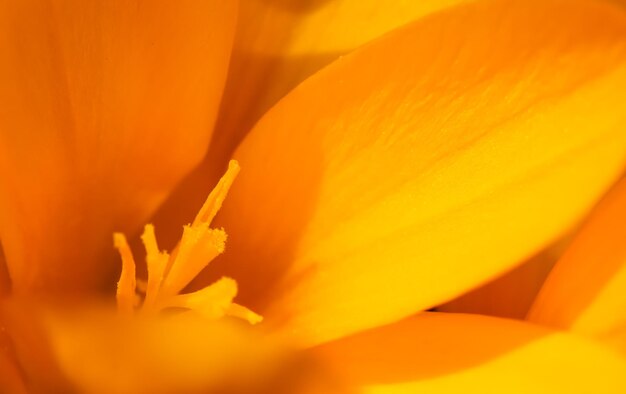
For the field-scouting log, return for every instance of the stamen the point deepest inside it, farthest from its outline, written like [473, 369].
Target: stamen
[198, 246]
[241, 312]
[142, 285]
[156, 263]
[216, 301]
[212, 301]
[168, 275]
[214, 202]
[127, 284]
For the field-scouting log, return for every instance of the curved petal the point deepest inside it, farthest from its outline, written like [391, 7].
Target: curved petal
[585, 290]
[95, 350]
[452, 353]
[27, 348]
[11, 378]
[512, 294]
[103, 108]
[616, 339]
[281, 42]
[182, 354]
[278, 44]
[415, 169]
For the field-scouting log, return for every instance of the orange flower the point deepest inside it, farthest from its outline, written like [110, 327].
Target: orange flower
[406, 173]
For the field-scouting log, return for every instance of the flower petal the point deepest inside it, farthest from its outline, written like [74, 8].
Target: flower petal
[281, 42]
[416, 168]
[452, 353]
[616, 339]
[585, 290]
[278, 44]
[512, 294]
[28, 348]
[105, 106]
[11, 378]
[95, 350]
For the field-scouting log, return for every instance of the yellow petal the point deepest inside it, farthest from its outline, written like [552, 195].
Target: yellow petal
[280, 43]
[585, 290]
[616, 339]
[104, 107]
[91, 349]
[416, 168]
[98, 351]
[512, 294]
[453, 353]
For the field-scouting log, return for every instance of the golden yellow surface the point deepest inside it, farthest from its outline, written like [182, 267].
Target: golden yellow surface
[443, 145]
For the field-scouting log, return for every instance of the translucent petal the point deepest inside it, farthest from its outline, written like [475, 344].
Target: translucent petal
[416, 169]
[454, 353]
[585, 290]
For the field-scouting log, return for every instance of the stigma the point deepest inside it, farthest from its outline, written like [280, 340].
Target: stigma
[170, 273]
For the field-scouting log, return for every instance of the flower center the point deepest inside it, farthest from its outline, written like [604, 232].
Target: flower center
[168, 274]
